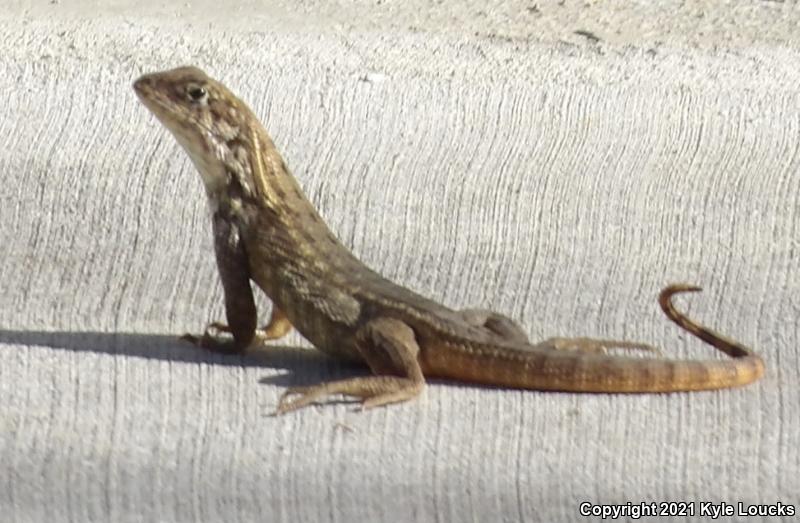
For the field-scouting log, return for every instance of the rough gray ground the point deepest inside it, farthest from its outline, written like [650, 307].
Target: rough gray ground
[556, 179]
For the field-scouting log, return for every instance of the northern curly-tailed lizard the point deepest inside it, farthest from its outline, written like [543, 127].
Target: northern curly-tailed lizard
[267, 231]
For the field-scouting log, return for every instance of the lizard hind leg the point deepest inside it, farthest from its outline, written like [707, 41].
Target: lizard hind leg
[499, 324]
[389, 348]
[512, 331]
[595, 345]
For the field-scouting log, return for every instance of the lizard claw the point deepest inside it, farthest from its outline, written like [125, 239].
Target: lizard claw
[287, 404]
[204, 341]
[214, 343]
[217, 327]
[208, 339]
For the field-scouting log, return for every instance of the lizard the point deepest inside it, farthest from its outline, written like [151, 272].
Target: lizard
[267, 231]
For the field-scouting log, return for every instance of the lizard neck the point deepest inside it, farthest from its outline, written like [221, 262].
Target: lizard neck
[267, 202]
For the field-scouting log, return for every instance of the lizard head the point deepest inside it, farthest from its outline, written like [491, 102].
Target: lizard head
[202, 114]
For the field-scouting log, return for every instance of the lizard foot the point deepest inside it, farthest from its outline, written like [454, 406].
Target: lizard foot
[211, 339]
[596, 346]
[210, 342]
[389, 348]
[273, 330]
[277, 327]
[373, 391]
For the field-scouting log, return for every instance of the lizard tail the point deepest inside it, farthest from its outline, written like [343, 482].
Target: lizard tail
[726, 345]
[571, 372]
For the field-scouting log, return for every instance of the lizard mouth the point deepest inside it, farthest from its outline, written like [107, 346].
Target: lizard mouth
[144, 87]
[149, 96]
[170, 113]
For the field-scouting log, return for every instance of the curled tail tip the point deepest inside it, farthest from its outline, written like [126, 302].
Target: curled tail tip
[732, 348]
[665, 297]
[677, 288]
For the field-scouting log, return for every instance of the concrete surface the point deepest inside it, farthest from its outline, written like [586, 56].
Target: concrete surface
[553, 177]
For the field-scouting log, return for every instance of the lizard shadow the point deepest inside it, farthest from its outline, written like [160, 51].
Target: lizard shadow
[305, 366]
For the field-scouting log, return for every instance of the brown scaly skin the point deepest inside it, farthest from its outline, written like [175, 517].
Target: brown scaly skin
[266, 230]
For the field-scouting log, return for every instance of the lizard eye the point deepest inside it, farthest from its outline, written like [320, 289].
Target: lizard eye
[196, 93]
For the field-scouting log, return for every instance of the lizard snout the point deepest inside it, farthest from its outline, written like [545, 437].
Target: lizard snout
[142, 83]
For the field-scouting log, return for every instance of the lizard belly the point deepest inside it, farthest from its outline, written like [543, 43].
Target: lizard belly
[333, 338]
[326, 322]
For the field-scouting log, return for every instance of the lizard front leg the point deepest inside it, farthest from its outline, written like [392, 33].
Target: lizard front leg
[390, 349]
[240, 308]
